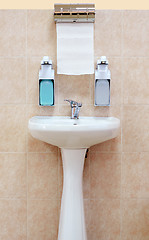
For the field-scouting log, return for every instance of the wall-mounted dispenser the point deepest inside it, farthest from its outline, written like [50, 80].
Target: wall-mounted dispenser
[46, 83]
[102, 83]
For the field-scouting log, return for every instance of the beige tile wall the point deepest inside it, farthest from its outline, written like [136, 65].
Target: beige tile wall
[116, 174]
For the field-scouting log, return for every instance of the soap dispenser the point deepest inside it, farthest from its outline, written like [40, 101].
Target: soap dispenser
[46, 83]
[102, 83]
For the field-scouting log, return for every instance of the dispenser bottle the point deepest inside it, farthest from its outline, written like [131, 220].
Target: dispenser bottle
[102, 83]
[46, 83]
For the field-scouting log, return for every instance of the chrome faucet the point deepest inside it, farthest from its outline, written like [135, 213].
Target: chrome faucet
[75, 108]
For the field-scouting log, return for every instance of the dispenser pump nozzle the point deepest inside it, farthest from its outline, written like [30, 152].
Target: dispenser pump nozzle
[102, 60]
[46, 61]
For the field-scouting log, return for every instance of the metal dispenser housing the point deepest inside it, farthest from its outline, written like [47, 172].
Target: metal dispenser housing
[102, 83]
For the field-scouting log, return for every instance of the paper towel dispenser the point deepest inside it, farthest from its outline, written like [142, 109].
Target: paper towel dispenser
[74, 12]
[102, 83]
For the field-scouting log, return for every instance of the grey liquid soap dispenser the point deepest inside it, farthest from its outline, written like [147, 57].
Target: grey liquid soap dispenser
[46, 83]
[102, 83]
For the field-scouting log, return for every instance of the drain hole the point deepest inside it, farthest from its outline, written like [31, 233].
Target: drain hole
[75, 124]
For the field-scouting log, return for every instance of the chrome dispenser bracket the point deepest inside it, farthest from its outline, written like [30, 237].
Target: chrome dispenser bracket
[74, 13]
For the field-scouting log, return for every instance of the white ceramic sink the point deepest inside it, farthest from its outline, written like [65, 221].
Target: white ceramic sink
[65, 132]
[73, 136]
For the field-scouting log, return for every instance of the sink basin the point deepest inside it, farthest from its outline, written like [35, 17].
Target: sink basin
[73, 136]
[73, 133]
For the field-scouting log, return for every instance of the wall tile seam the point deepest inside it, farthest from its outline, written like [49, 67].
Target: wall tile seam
[104, 152]
[121, 194]
[131, 198]
[42, 152]
[13, 198]
[44, 199]
[27, 190]
[130, 57]
[13, 104]
[89, 104]
[13, 152]
[85, 104]
[135, 104]
[52, 198]
[96, 57]
[39, 57]
[122, 36]
[122, 152]
[12, 57]
[59, 198]
[61, 104]
[99, 199]
[91, 151]
[52, 152]
[138, 104]
[131, 152]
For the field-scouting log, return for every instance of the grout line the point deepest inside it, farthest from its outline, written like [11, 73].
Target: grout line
[15, 198]
[12, 198]
[85, 199]
[27, 196]
[130, 198]
[105, 152]
[26, 132]
[27, 152]
[12, 57]
[122, 101]
[120, 56]
[12, 152]
[85, 104]
[122, 83]
[121, 202]
[97, 199]
[26, 77]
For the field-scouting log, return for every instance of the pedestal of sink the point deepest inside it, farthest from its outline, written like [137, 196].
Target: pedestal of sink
[73, 136]
[72, 220]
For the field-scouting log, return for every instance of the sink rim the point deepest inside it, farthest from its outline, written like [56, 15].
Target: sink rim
[61, 123]
[64, 134]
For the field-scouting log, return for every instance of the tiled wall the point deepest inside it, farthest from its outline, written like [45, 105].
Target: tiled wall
[116, 175]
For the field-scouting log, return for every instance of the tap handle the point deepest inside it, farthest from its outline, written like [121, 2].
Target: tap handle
[73, 103]
[70, 101]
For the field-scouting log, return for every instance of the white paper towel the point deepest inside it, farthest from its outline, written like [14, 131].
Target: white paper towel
[75, 48]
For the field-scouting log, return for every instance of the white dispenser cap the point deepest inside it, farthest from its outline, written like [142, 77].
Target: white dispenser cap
[46, 71]
[102, 71]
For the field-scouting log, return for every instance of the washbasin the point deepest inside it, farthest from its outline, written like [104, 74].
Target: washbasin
[65, 132]
[73, 136]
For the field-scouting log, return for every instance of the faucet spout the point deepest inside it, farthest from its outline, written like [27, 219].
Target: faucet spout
[75, 108]
[76, 114]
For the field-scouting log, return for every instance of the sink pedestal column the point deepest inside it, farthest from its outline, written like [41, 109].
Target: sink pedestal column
[72, 220]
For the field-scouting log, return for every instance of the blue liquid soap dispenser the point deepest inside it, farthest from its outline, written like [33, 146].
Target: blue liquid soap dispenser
[102, 83]
[46, 83]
